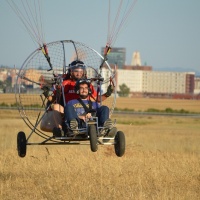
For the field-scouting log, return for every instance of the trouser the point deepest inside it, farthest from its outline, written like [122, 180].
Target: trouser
[102, 113]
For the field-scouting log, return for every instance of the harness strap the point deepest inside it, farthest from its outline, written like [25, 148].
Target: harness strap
[87, 110]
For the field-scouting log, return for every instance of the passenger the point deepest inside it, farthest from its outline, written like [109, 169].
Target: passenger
[78, 111]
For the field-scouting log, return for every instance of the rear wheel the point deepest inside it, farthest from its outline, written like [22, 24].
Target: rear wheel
[93, 138]
[119, 144]
[21, 144]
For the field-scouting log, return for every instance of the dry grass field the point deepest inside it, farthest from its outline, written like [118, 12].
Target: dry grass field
[142, 104]
[137, 104]
[162, 161]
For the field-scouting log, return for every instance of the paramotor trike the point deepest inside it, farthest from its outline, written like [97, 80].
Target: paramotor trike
[40, 71]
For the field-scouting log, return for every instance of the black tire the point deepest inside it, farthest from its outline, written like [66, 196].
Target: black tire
[120, 144]
[21, 144]
[93, 138]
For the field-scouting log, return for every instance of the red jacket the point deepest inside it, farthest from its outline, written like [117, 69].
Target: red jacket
[69, 91]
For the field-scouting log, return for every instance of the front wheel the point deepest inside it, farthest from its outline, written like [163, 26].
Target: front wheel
[21, 144]
[119, 144]
[93, 138]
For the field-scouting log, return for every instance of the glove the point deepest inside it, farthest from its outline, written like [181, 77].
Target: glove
[109, 90]
[46, 91]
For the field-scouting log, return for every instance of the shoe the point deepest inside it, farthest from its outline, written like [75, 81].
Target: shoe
[108, 124]
[106, 127]
[74, 126]
[112, 132]
[57, 132]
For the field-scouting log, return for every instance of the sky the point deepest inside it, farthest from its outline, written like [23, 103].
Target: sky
[165, 32]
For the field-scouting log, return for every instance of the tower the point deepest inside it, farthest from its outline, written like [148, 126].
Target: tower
[136, 61]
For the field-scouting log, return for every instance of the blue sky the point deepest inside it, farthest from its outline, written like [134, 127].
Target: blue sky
[165, 32]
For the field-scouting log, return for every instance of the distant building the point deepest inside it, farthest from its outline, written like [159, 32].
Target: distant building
[116, 56]
[3, 74]
[197, 85]
[152, 83]
[142, 81]
[144, 68]
[136, 61]
[168, 82]
[8, 74]
[132, 79]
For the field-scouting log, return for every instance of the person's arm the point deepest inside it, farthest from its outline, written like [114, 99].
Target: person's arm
[103, 96]
[107, 94]
[51, 98]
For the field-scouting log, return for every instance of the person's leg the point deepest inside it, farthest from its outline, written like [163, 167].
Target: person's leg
[102, 114]
[71, 118]
[70, 114]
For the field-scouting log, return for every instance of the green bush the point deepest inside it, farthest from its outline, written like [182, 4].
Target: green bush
[152, 110]
[169, 110]
[4, 104]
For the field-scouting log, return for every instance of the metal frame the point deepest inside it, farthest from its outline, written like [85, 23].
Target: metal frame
[51, 140]
[64, 140]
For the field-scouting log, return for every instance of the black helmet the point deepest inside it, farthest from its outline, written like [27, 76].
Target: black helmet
[82, 81]
[77, 64]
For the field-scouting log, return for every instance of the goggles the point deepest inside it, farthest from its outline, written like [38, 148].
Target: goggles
[78, 66]
[87, 81]
[77, 70]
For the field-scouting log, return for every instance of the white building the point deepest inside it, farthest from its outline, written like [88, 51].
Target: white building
[132, 78]
[154, 81]
[197, 85]
[164, 82]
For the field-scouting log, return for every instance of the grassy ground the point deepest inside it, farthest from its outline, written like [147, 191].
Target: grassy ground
[137, 104]
[162, 161]
[143, 104]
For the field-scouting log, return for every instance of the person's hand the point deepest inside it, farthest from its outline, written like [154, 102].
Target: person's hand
[46, 91]
[82, 117]
[109, 90]
[85, 117]
[88, 116]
